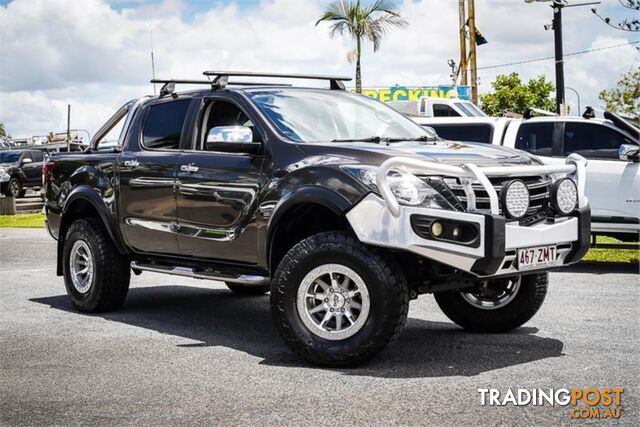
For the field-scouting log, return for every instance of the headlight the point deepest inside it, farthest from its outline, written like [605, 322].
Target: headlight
[406, 187]
[2, 171]
[515, 198]
[564, 196]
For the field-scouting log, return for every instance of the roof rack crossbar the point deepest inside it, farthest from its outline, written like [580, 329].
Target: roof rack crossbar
[168, 85]
[221, 77]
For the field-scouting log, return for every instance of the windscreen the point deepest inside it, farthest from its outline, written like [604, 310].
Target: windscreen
[331, 116]
[9, 156]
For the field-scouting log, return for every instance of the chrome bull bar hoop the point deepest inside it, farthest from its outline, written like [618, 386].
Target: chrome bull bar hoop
[468, 173]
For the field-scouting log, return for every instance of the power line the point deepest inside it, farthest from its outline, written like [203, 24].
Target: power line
[546, 58]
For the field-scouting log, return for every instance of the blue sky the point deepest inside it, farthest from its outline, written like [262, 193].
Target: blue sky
[95, 54]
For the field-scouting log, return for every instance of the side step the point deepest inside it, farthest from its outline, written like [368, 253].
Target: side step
[243, 279]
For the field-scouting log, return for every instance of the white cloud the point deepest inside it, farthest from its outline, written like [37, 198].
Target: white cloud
[88, 54]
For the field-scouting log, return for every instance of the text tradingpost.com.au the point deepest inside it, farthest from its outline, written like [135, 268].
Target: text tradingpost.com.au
[587, 403]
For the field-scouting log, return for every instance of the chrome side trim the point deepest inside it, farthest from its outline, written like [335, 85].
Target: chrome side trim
[189, 230]
[243, 279]
[169, 227]
[150, 182]
[216, 234]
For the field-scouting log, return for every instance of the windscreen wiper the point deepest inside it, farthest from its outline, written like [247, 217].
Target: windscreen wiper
[418, 138]
[369, 139]
[380, 139]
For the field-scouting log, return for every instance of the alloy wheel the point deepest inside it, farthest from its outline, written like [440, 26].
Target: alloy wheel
[493, 294]
[81, 266]
[333, 302]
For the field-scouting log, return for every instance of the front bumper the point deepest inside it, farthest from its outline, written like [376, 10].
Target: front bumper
[493, 243]
[492, 253]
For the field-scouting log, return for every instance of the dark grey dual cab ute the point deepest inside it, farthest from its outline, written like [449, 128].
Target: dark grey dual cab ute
[339, 206]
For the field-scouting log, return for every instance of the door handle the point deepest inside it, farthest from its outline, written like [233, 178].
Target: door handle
[190, 168]
[131, 163]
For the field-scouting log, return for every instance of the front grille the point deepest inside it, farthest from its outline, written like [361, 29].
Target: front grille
[538, 192]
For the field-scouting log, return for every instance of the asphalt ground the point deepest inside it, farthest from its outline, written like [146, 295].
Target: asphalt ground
[184, 351]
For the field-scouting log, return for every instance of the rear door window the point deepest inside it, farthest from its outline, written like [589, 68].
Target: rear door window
[37, 156]
[473, 133]
[163, 125]
[592, 140]
[536, 138]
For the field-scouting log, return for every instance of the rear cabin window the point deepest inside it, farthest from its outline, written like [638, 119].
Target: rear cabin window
[473, 133]
[164, 123]
[536, 138]
[443, 110]
[37, 156]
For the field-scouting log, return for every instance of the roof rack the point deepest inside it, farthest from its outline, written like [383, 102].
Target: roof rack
[221, 78]
[168, 85]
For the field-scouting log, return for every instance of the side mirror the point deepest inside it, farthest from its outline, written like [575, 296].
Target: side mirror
[232, 139]
[430, 130]
[629, 153]
[27, 160]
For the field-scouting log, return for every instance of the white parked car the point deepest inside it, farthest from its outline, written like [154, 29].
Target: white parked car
[437, 107]
[610, 146]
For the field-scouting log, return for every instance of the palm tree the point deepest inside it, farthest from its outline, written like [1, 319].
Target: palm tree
[362, 22]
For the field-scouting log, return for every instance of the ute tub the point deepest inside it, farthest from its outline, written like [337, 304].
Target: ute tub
[493, 244]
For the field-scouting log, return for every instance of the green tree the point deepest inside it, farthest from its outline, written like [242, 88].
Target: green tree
[362, 22]
[625, 98]
[510, 94]
[3, 133]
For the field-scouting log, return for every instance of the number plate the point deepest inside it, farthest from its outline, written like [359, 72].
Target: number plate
[538, 257]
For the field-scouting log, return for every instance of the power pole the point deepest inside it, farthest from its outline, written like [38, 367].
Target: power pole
[463, 42]
[472, 52]
[68, 128]
[557, 36]
[557, 7]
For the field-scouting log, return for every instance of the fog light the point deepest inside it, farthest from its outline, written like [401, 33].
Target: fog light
[457, 232]
[515, 198]
[564, 196]
[437, 229]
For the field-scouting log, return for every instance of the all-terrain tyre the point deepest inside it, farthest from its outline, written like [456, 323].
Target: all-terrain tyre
[248, 291]
[517, 311]
[105, 283]
[300, 304]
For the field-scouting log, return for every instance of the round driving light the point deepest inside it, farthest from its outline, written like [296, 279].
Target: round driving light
[437, 229]
[564, 196]
[515, 199]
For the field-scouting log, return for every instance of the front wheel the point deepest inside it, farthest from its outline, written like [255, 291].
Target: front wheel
[337, 302]
[13, 188]
[496, 305]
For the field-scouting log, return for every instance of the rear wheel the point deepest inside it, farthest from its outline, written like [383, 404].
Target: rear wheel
[337, 302]
[496, 305]
[95, 274]
[245, 290]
